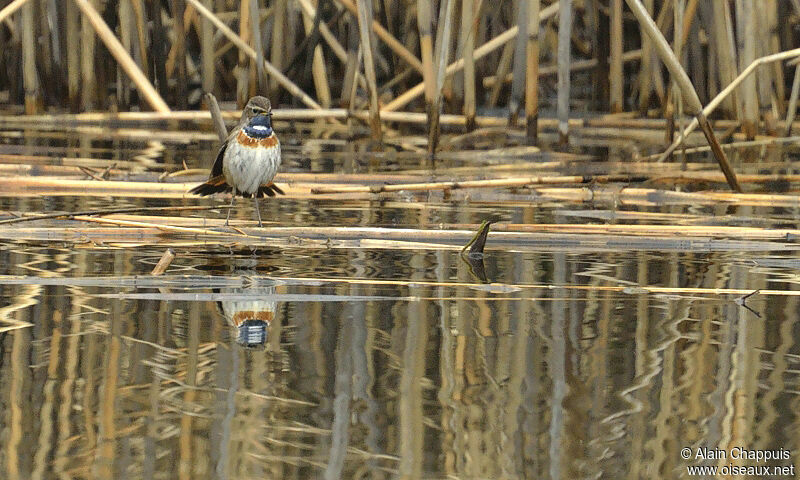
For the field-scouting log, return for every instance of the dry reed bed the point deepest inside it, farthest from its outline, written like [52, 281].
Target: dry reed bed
[161, 55]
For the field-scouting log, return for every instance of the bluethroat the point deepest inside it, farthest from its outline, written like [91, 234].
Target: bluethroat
[248, 159]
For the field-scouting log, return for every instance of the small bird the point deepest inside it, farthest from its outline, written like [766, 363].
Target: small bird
[248, 159]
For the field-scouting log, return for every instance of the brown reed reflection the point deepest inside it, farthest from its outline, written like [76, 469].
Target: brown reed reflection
[436, 375]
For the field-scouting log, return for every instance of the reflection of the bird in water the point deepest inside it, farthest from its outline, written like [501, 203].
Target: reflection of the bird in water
[250, 317]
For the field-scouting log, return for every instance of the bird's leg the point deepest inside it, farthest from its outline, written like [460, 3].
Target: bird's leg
[258, 211]
[233, 197]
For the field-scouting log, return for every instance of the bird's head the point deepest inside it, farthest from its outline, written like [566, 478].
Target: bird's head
[257, 117]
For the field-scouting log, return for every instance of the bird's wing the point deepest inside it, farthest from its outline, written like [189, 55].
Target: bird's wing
[216, 170]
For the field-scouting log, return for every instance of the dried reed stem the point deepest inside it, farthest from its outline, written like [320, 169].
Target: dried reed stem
[216, 116]
[88, 82]
[747, 35]
[724, 51]
[394, 44]
[564, 44]
[207, 52]
[290, 86]
[440, 58]
[242, 71]
[30, 77]
[503, 67]
[318, 69]
[12, 7]
[126, 62]
[141, 34]
[715, 102]
[616, 80]
[791, 109]
[532, 74]
[364, 21]
[687, 89]
[574, 66]
[518, 73]
[468, 30]
[179, 49]
[337, 48]
[458, 65]
[73, 54]
[164, 262]
[261, 76]
[491, 183]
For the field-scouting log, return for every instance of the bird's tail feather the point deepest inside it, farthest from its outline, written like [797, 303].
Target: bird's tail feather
[213, 185]
[269, 190]
[218, 184]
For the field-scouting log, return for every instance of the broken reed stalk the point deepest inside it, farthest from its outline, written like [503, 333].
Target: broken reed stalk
[119, 53]
[687, 89]
[714, 103]
[364, 21]
[164, 262]
[216, 116]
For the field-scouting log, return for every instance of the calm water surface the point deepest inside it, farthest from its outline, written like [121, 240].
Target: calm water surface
[306, 362]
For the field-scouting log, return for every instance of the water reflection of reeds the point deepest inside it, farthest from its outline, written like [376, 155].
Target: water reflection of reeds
[564, 382]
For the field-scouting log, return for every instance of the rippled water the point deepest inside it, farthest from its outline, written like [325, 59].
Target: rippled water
[570, 358]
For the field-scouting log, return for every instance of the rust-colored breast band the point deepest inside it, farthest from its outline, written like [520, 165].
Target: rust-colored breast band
[268, 142]
[246, 141]
[250, 142]
[263, 315]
